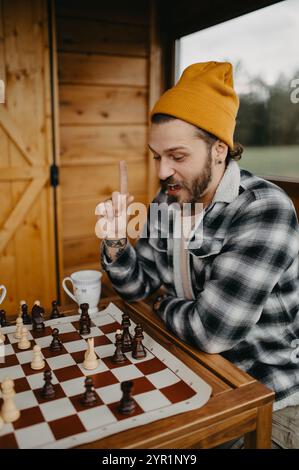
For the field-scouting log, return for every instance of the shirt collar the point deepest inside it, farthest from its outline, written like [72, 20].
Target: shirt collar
[228, 188]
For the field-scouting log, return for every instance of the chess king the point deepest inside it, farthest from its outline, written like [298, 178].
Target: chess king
[230, 285]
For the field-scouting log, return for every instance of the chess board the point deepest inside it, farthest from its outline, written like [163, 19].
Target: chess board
[163, 385]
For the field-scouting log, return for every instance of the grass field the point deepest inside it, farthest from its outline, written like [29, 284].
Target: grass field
[272, 161]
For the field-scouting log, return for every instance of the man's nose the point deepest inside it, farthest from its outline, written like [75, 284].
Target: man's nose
[165, 170]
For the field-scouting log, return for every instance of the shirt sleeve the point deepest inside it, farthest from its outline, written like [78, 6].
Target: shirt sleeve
[133, 274]
[262, 244]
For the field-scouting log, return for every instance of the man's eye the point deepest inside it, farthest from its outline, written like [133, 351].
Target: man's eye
[156, 157]
[177, 159]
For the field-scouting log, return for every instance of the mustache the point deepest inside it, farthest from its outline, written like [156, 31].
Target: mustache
[171, 180]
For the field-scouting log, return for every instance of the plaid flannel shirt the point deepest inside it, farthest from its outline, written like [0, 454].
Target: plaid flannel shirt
[244, 275]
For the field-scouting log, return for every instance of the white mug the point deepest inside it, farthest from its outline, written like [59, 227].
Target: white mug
[87, 288]
[3, 293]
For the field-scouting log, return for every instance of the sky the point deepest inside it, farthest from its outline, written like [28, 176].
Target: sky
[267, 42]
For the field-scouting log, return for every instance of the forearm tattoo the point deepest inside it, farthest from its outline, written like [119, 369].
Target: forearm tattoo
[119, 245]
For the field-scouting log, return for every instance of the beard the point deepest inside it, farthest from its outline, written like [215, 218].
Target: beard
[196, 188]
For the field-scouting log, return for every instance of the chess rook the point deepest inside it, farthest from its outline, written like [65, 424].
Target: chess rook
[126, 404]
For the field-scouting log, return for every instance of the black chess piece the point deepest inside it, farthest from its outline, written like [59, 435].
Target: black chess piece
[126, 336]
[25, 315]
[118, 356]
[138, 351]
[89, 397]
[48, 390]
[127, 404]
[37, 315]
[84, 323]
[3, 321]
[56, 344]
[84, 311]
[55, 311]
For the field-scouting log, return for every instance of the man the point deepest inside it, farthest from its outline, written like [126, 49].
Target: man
[234, 289]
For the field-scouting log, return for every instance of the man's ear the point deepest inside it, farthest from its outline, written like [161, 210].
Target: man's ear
[220, 150]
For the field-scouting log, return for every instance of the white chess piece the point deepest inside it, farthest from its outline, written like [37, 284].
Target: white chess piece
[24, 342]
[19, 326]
[2, 336]
[9, 411]
[37, 362]
[90, 359]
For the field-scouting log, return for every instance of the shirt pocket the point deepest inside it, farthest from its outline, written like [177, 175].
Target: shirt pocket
[210, 246]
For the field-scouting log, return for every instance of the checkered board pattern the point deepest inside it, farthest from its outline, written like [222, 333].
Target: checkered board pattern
[163, 385]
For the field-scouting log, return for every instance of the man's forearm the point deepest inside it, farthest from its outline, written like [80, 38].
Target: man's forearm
[114, 248]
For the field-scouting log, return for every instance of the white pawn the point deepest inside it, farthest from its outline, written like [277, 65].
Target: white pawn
[10, 412]
[90, 359]
[2, 336]
[37, 362]
[24, 342]
[19, 326]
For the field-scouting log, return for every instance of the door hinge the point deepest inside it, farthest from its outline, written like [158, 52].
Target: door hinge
[54, 175]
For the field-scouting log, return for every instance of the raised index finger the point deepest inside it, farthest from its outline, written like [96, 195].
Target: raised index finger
[123, 177]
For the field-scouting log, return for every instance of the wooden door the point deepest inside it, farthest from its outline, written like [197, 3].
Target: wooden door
[27, 245]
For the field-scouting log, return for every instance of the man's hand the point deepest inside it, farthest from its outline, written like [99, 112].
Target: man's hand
[112, 221]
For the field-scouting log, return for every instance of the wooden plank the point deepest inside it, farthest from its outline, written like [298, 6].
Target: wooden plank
[22, 173]
[80, 35]
[100, 181]
[15, 218]
[79, 217]
[133, 12]
[260, 437]
[81, 251]
[82, 104]
[155, 89]
[14, 133]
[94, 145]
[102, 70]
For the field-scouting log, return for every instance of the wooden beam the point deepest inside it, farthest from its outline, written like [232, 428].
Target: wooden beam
[18, 213]
[22, 173]
[14, 133]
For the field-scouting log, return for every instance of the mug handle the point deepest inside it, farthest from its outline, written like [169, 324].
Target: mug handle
[67, 290]
[3, 294]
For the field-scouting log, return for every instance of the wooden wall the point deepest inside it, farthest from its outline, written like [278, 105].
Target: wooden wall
[103, 80]
[27, 259]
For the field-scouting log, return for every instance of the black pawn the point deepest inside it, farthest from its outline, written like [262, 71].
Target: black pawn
[126, 404]
[3, 321]
[119, 356]
[89, 397]
[48, 390]
[84, 310]
[56, 344]
[55, 311]
[84, 322]
[126, 337]
[139, 351]
[25, 315]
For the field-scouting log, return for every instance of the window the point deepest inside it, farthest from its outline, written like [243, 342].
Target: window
[263, 48]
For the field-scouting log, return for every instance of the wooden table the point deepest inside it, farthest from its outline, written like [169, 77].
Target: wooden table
[239, 405]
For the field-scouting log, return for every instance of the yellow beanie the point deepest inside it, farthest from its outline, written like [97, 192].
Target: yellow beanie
[204, 96]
